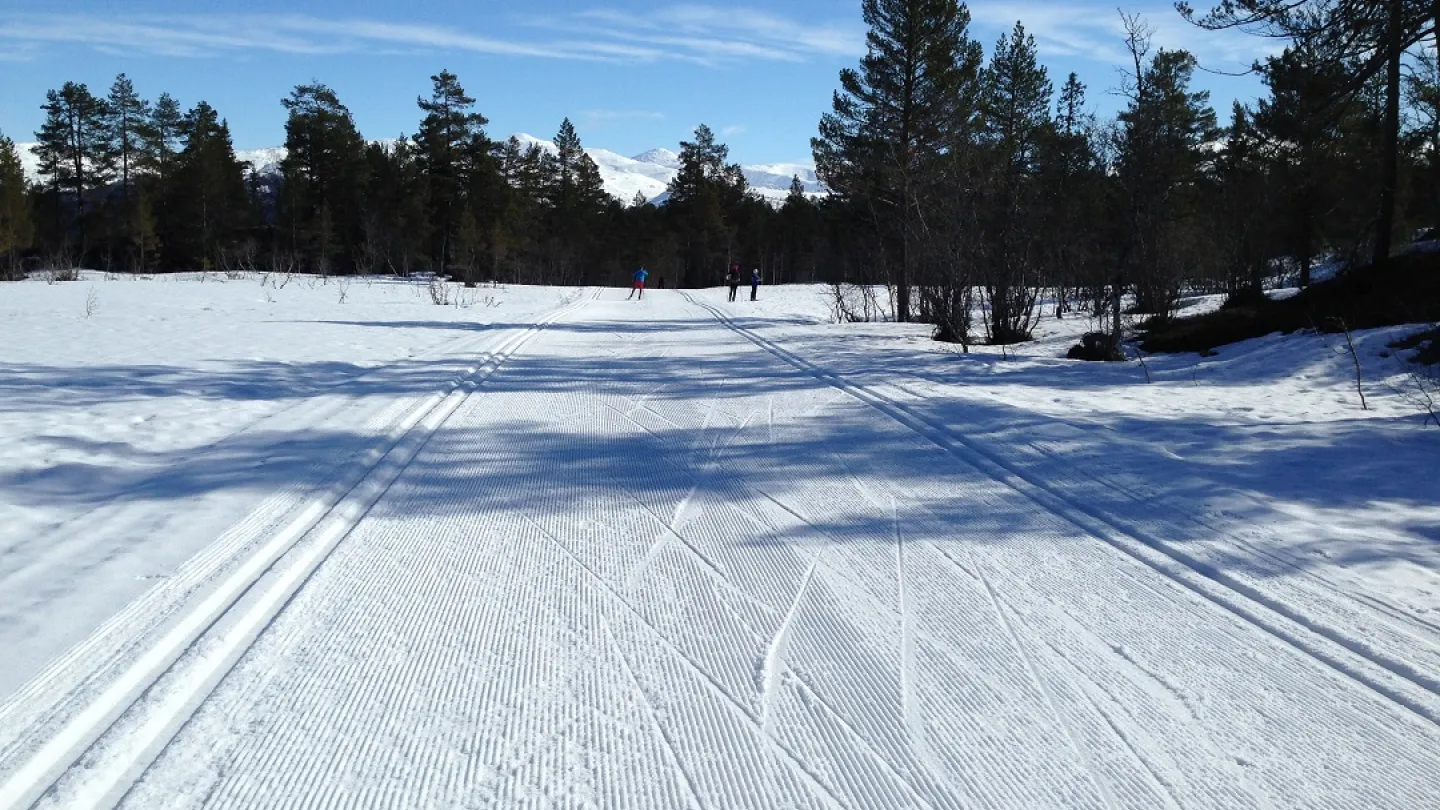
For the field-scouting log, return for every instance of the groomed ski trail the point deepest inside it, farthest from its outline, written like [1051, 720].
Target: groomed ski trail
[660, 560]
[157, 692]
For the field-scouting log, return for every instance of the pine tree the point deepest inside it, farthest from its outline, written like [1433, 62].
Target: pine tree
[1014, 121]
[1370, 40]
[207, 201]
[160, 137]
[1162, 134]
[705, 196]
[446, 145]
[73, 145]
[1243, 207]
[905, 105]
[125, 116]
[16, 228]
[323, 172]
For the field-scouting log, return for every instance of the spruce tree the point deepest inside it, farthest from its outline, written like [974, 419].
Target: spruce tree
[207, 202]
[323, 173]
[705, 197]
[1163, 134]
[1071, 205]
[895, 115]
[16, 228]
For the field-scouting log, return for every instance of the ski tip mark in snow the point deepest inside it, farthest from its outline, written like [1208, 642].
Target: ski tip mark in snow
[909, 700]
[774, 659]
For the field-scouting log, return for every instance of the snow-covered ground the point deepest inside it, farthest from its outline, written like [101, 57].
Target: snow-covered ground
[265, 547]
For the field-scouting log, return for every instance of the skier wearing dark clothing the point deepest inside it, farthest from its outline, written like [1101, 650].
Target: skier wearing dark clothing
[754, 284]
[732, 280]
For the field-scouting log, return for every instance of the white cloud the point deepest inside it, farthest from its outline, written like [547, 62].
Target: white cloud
[1095, 32]
[707, 35]
[716, 35]
[733, 129]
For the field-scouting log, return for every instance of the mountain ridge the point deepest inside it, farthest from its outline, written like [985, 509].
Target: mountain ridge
[648, 173]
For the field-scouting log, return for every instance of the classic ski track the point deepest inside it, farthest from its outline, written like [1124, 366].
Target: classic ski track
[1163, 787]
[55, 757]
[446, 346]
[775, 652]
[42, 699]
[1041, 684]
[1198, 578]
[93, 521]
[1389, 611]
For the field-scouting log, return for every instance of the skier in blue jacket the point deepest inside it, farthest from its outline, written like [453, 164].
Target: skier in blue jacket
[640, 276]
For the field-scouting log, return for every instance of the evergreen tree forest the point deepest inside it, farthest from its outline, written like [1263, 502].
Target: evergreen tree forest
[964, 178]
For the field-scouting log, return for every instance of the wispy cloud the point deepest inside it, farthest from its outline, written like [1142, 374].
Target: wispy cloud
[733, 130]
[198, 35]
[1095, 32]
[716, 35]
[707, 35]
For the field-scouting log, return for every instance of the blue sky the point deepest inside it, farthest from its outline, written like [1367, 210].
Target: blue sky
[632, 75]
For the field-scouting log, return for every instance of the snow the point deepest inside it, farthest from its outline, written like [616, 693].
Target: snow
[648, 173]
[262, 546]
[29, 161]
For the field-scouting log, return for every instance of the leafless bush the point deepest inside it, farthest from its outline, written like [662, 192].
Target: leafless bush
[280, 271]
[59, 266]
[854, 303]
[344, 285]
[91, 302]
[240, 260]
[439, 291]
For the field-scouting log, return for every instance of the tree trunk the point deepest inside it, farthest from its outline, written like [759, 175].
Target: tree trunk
[1390, 156]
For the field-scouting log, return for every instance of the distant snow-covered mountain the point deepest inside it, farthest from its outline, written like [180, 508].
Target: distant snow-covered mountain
[648, 173]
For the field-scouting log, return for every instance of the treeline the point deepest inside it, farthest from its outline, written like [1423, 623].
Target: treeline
[964, 184]
[131, 185]
[977, 178]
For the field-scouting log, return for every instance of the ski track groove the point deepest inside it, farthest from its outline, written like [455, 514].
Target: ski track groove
[34, 704]
[52, 762]
[1389, 613]
[1150, 499]
[824, 722]
[1230, 596]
